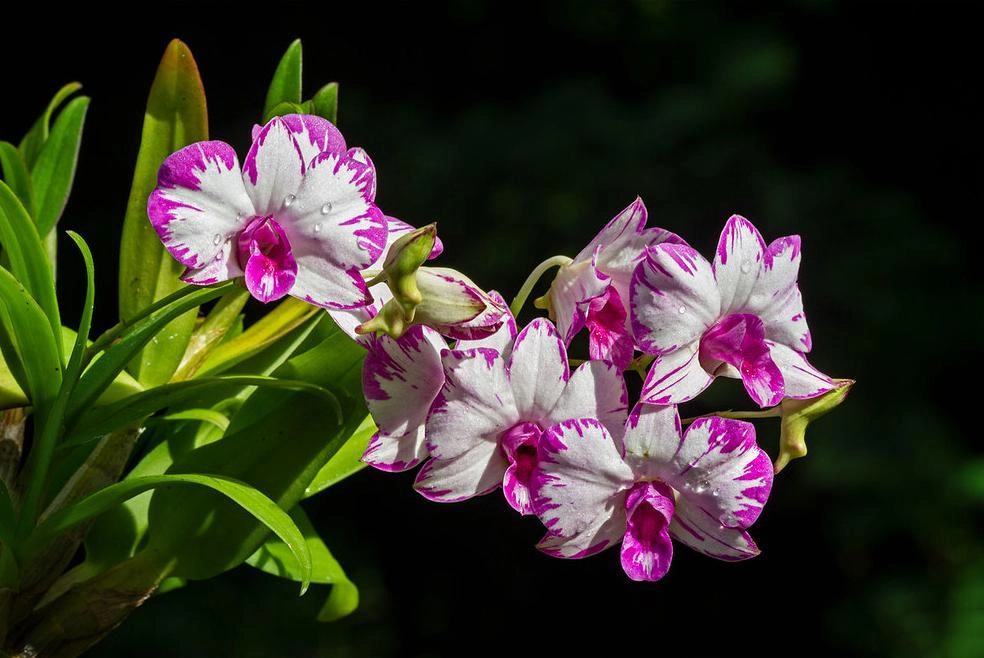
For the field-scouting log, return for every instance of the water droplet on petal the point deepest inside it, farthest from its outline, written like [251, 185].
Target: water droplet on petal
[682, 309]
[317, 227]
[715, 492]
[217, 238]
[325, 209]
[289, 199]
[746, 266]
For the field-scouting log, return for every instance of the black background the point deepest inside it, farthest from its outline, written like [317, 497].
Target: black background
[521, 129]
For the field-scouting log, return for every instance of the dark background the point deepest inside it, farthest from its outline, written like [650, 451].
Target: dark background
[523, 129]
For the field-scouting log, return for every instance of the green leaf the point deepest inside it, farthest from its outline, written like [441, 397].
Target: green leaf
[27, 343]
[8, 518]
[224, 316]
[277, 441]
[30, 146]
[217, 419]
[286, 84]
[176, 116]
[281, 109]
[27, 257]
[274, 558]
[16, 175]
[55, 168]
[248, 498]
[325, 102]
[105, 369]
[345, 462]
[133, 409]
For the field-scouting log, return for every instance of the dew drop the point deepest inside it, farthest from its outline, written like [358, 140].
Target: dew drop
[746, 266]
[217, 238]
[317, 227]
[682, 309]
[702, 486]
[325, 209]
[715, 492]
[289, 199]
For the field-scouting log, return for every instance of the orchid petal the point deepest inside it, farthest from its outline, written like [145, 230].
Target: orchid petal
[777, 299]
[474, 472]
[474, 406]
[737, 263]
[455, 306]
[579, 489]
[314, 135]
[653, 435]
[646, 548]
[573, 286]
[538, 369]
[702, 532]
[595, 390]
[676, 377]
[199, 204]
[739, 341]
[274, 168]
[673, 298]
[801, 379]
[503, 338]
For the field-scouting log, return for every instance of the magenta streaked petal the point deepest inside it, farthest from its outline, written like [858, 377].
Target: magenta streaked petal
[519, 446]
[801, 379]
[474, 406]
[502, 339]
[719, 470]
[455, 306]
[623, 243]
[737, 263]
[647, 549]
[400, 379]
[537, 369]
[273, 168]
[595, 390]
[579, 488]
[673, 298]
[776, 298]
[610, 338]
[314, 135]
[224, 266]
[702, 532]
[739, 341]
[653, 435]
[573, 287]
[676, 377]
[267, 260]
[199, 202]
[475, 472]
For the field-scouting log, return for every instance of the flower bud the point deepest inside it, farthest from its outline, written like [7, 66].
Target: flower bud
[797, 414]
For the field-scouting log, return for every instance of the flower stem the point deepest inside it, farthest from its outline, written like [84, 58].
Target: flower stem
[520, 299]
[773, 412]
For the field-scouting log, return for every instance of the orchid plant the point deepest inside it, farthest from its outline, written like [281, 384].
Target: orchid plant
[147, 455]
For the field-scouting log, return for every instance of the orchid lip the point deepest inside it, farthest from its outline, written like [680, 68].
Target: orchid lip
[265, 254]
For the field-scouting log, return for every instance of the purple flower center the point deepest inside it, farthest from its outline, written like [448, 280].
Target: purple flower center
[646, 547]
[738, 340]
[518, 444]
[609, 341]
[265, 255]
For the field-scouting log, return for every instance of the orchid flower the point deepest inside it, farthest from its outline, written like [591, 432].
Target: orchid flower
[486, 421]
[740, 316]
[703, 488]
[593, 289]
[297, 219]
[400, 379]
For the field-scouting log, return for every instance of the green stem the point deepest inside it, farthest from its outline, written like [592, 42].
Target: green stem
[774, 412]
[520, 299]
[114, 332]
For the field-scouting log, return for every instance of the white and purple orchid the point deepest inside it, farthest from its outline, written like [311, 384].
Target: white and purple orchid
[297, 219]
[593, 289]
[485, 423]
[703, 488]
[400, 379]
[740, 316]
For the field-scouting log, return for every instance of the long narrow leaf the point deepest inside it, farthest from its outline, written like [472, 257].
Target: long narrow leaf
[28, 345]
[286, 84]
[347, 461]
[28, 259]
[255, 503]
[176, 116]
[16, 175]
[134, 408]
[30, 146]
[105, 369]
[54, 170]
[325, 102]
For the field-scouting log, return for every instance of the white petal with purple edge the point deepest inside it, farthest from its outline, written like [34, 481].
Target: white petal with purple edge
[474, 406]
[538, 369]
[573, 287]
[776, 298]
[673, 298]
[595, 390]
[653, 435]
[273, 168]
[700, 531]
[502, 340]
[720, 470]
[314, 135]
[801, 378]
[676, 377]
[401, 378]
[223, 266]
[199, 202]
[579, 488]
[620, 231]
[737, 262]
[472, 473]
